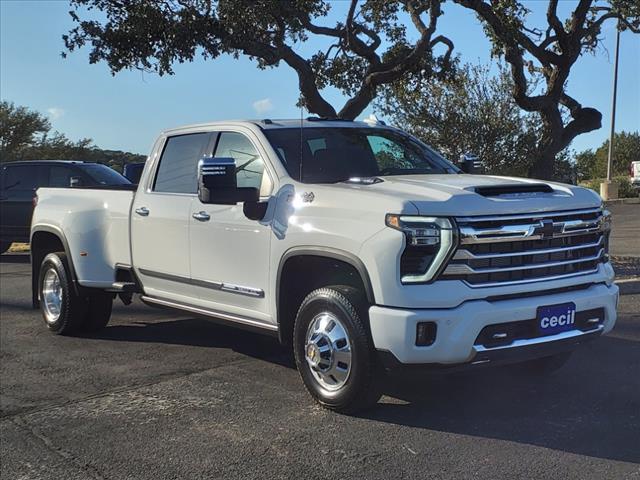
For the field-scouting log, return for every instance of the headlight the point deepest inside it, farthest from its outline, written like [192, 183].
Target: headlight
[430, 241]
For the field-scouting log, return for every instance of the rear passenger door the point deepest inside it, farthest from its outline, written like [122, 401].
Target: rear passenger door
[161, 215]
[19, 186]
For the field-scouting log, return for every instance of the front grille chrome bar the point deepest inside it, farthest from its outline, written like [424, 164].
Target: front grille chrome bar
[467, 255]
[529, 231]
[464, 269]
[528, 216]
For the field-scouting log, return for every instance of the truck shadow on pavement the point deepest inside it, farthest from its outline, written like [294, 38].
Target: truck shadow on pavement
[198, 332]
[589, 407]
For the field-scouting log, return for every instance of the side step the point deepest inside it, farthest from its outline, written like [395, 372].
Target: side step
[122, 287]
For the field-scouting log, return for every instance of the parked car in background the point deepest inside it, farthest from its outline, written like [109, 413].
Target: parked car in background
[133, 171]
[20, 180]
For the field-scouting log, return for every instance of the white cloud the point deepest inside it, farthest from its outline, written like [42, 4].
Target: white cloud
[263, 106]
[55, 112]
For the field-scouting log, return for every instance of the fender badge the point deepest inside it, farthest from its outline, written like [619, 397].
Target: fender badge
[308, 197]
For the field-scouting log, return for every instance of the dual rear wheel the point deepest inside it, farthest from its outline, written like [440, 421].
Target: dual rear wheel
[65, 311]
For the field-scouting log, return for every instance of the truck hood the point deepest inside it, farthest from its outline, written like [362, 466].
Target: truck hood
[461, 194]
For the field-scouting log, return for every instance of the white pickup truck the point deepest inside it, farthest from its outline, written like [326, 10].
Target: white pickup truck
[353, 242]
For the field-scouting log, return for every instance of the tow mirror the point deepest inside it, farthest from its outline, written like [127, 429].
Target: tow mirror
[470, 163]
[217, 183]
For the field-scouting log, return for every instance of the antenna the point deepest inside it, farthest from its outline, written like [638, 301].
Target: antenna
[301, 140]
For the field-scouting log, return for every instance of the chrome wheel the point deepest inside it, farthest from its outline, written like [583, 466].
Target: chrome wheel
[328, 351]
[51, 295]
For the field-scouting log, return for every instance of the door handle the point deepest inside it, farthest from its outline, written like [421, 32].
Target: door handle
[201, 216]
[142, 211]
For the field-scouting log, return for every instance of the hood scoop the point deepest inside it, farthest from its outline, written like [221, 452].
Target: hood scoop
[512, 189]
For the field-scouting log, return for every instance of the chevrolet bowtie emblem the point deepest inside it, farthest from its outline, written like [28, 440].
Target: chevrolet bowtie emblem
[545, 229]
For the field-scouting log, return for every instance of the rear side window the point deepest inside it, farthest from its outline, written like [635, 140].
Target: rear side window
[24, 177]
[61, 176]
[178, 164]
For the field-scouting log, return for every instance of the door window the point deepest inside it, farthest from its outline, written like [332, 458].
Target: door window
[177, 172]
[249, 164]
[61, 177]
[23, 178]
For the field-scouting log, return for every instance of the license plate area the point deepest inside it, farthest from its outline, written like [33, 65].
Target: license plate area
[554, 319]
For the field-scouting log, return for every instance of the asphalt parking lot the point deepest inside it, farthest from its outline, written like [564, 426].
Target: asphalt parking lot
[158, 395]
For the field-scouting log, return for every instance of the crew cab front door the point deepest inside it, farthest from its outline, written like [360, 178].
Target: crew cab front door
[229, 252]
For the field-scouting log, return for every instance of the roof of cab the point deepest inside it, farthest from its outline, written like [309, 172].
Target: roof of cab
[273, 124]
[40, 162]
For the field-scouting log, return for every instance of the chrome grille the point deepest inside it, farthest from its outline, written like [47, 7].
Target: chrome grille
[526, 248]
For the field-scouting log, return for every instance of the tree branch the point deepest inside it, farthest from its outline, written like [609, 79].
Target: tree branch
[355, 44]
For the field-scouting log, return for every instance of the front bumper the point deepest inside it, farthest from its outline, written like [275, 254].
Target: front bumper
[394, 330]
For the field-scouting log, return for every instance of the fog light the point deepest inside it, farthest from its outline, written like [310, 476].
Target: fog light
[425, 333]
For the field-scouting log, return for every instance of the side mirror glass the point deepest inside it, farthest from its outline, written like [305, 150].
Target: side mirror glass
[217, 183]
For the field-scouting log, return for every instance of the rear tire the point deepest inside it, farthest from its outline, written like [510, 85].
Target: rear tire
[98, 312]
[544, 366]
[333, 349]
[62, 310]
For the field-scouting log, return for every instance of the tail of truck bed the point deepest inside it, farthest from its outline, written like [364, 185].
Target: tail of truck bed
[92, 224]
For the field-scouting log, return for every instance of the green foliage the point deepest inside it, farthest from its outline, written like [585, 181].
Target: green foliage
[26, 135]
[625, 189]
[545, 54]
[470, 112]
[19, 128]
[373, 45]
[626, 149]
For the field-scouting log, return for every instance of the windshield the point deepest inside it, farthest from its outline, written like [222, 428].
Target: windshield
[333, 155]
[104, 175]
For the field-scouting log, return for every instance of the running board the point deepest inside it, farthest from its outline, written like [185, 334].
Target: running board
[122, 287]
[226, 318]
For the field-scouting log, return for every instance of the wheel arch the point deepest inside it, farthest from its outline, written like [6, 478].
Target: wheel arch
[47, 239]
[348, 267]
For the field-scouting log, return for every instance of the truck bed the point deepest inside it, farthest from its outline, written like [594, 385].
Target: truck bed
[95, 223]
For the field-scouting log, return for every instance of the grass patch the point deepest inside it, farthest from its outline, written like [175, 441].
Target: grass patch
[19, 248]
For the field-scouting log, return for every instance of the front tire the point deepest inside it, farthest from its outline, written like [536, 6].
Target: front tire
[63, 311]
[333, 350]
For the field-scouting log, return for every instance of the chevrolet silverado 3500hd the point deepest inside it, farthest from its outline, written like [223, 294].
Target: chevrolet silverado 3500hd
[354, 243]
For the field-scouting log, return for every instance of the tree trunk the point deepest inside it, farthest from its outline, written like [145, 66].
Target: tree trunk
[543, 167]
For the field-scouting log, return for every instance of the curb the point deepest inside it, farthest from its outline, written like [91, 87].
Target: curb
[623, 201]
[629, 286]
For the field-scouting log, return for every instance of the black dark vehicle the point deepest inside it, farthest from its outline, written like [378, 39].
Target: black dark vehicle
[20, 180]
[133, 171]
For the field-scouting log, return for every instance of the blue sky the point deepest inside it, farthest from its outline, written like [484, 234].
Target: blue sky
[127, 111]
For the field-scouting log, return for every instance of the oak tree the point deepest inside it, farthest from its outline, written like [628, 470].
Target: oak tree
[547, 54]
[376, 42]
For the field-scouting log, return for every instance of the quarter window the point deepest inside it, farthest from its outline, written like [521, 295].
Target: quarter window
[177, 172]
[249, 164]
